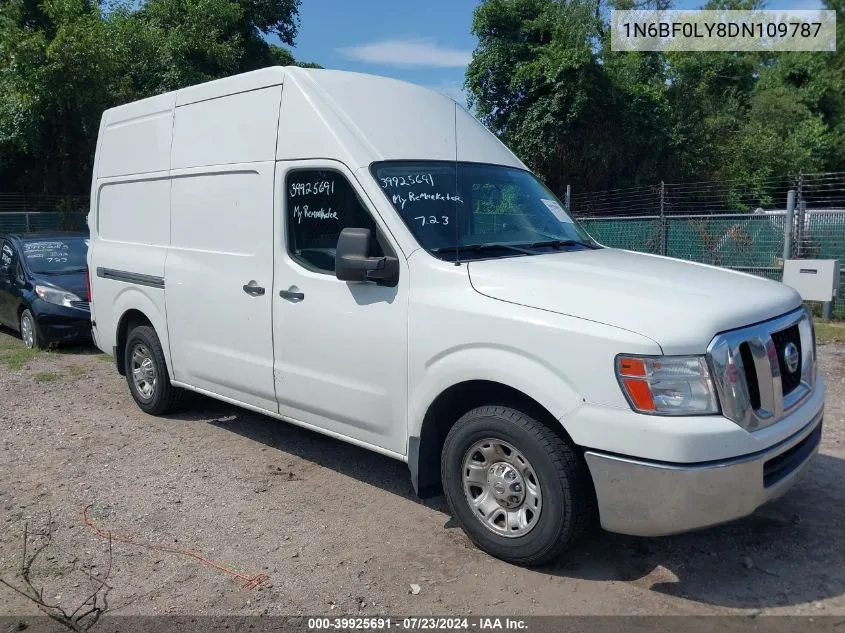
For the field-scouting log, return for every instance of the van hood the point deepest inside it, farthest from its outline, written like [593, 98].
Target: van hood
[678, 304]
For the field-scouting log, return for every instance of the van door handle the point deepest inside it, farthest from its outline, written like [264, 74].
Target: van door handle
[253, 289]
[292, 294]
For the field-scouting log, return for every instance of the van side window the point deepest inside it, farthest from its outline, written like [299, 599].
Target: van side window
[319, 204]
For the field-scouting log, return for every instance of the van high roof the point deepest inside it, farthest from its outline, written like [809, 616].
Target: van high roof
[352, 117]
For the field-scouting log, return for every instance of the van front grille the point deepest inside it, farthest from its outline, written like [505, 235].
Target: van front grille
[753, 379]
[790, 379]
[750, 375]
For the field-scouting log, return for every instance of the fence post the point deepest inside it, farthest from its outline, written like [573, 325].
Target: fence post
[664, 226]
[801, 205]
[788, 225]
[568, 200]
[26, 215]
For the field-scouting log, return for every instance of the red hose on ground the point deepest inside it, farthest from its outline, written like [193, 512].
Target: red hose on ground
[250, 582]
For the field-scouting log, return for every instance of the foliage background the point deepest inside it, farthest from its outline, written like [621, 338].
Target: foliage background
[62, 62]
[542, 77]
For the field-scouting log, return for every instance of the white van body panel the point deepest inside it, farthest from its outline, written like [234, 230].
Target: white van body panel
[589, 284]
[215, 132]
[136, 245]
[228, 86]
[189, 221]
[221, 336]
[341, 353]
[460, 335]
[359, 119]
[222, 239]
[130, 215]
[145, 126]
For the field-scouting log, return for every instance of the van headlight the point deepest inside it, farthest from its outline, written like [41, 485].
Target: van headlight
[667, 385]
[55, 295]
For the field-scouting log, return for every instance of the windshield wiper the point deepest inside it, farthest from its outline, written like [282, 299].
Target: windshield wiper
[478, 248]
[559, 244]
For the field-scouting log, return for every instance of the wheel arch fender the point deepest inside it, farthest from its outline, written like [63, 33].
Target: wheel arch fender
[467, 377]
[131, 306]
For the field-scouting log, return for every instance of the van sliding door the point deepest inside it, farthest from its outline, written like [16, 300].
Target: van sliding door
[219, 269]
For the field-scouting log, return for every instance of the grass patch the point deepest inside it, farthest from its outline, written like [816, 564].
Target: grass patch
[75, 370]
[106, 358]
[14, 355]
[830, 332]
[46, 376]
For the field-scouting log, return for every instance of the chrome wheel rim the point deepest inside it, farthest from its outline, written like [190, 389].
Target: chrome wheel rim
[501, 488]
[27, 332]
[143, 371]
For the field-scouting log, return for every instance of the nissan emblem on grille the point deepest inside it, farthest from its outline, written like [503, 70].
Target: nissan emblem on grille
[764, 371]
[791, 357]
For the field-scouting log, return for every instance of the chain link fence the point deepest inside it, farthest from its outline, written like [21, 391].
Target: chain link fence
[732, 224]
[735, 224]
[42, 221]
[25, 213]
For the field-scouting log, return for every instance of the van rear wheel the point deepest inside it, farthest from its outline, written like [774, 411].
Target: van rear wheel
[519, 491]
[146, 372]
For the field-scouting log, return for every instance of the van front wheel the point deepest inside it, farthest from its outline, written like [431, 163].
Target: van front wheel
[146, 372]
[519, 491]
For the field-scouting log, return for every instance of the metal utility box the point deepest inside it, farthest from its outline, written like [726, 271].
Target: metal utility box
[814, 279]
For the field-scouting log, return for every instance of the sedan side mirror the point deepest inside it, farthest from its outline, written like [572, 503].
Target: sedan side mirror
[352, 262]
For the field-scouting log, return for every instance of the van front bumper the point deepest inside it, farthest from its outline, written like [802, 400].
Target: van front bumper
[647, 498]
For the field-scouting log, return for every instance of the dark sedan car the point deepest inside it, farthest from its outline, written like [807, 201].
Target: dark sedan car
[44, 287]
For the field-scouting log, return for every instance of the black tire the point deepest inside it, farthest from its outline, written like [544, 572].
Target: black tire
[163, 397]
[567, 494]
[37, 341]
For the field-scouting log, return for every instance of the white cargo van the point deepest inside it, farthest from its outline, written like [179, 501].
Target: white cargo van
[359, 256]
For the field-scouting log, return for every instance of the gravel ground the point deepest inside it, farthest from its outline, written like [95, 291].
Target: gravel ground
[337, 528]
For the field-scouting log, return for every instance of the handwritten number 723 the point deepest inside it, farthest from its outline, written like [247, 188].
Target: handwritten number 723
[432, 219]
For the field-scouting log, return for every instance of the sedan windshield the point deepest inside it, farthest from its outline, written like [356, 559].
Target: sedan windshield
[56, 256]
[459, 211]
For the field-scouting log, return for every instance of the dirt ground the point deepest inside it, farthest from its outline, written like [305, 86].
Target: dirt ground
[337, 528]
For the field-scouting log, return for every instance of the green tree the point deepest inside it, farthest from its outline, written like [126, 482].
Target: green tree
[543, 77]
[746, 117]
[56, 79]
[62, 62]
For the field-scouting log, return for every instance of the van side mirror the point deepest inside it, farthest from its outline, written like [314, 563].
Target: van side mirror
[351, 262]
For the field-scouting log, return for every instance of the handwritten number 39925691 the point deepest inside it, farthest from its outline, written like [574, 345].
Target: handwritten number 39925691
[432, 219]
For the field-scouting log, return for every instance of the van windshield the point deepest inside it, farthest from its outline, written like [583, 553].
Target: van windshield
[459, 210]
[56, 256]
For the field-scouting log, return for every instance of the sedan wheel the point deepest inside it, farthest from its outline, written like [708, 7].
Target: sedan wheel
[29, 334]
